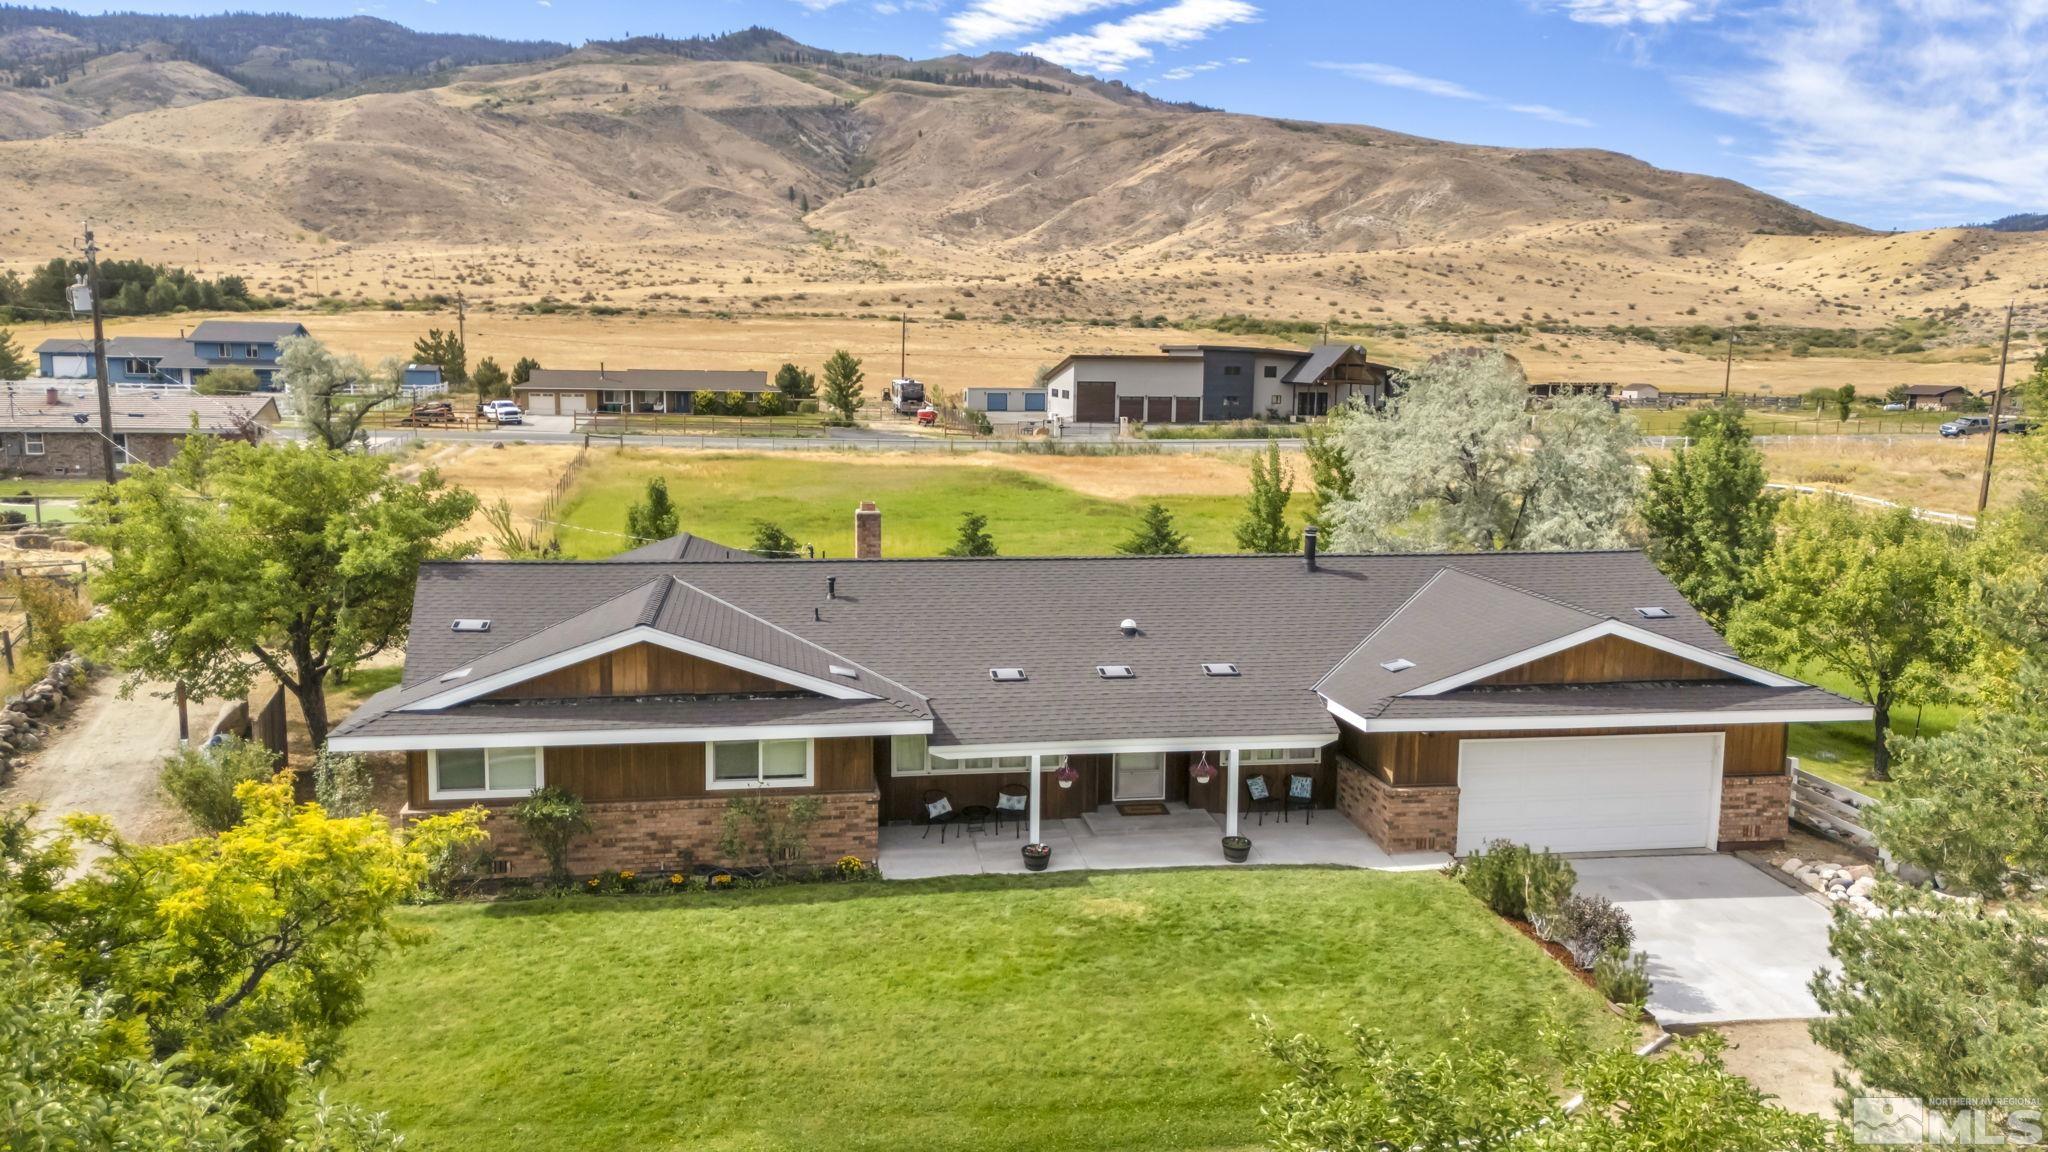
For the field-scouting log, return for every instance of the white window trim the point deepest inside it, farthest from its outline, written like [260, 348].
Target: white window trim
[1315, 756]
[436, 792]
[32, 444]
[713, 784]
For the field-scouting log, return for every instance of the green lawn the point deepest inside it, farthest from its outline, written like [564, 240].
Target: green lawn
[1071, 1011]
[1802, 422]
[722, 496]
[1843, 752]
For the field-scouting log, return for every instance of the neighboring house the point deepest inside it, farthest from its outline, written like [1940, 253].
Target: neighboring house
[1007, 405]
[1641, 393]
[1568, 700]
[422, 379]
[1936, 395]
[560, 392]
[174, 362]
[1191, 383]
[58, 433]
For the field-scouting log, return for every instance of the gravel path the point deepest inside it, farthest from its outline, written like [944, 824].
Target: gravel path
[103, 758]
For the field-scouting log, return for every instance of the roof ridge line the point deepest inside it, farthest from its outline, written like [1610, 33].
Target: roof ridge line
[1447, 558]
[798, 637]
[1355, 649]
[1579, 608]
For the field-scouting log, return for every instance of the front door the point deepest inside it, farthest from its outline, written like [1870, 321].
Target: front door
[1139, 776]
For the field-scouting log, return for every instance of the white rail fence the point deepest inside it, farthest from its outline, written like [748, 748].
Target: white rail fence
[1830, 809]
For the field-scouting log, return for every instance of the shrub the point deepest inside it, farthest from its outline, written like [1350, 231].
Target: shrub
[1547, 881]
[552, 818]
[343, 784]
[1623, 977]
[453, 844]
[780, 831]
[202, 780]
[1515, 881]
[851, 868]
[51, 608]
[1588, 926]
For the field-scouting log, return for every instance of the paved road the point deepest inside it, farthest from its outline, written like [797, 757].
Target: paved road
[104, 758]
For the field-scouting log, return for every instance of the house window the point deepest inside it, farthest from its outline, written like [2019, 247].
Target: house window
[980, 764]
[1272, 371]
[999, 401]
[907, 756]
[759, 764]
[611, 401]
[1233, 370]
[252, 352]
[482, 773]
[1280, 756]
[1034, 401]
[121, 452]
[138, 367]
[31, 443]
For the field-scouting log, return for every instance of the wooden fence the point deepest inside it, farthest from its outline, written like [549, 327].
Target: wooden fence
[1830, 809]
[262, 723]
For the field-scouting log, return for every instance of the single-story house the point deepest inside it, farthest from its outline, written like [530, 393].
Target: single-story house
[58, 433]
[1936, 395]
[1192, 383]
[1568, 700]
[174, 362]
[1007, 405]
[1641, 393]
[564, 392]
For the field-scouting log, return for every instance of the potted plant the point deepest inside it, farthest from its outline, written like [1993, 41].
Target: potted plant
[1067, 774]
[1202, 771]
[1237, 849]
[1037, 856]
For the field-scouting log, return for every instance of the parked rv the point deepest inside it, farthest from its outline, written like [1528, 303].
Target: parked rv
[906, 396]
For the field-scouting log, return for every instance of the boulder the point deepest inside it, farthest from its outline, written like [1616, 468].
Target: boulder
[1792, 865]
[1862, 886]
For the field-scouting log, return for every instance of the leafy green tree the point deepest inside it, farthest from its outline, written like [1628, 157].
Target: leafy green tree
[334, 394]
[235, 561]
[1709, 513]
[1844, 400]
[1264, 525]
[1458, 462]
[1879, 598]
[795, 382]
[842, 384]
[203, 780]
[14, 363]
[490, 380]
[1154, 535]
[552, 818]
[1896, 394]
[1373, 1098]
[771, 540]
[234, 380]
[1329, 467]
[2010, 554]
[523, 370]
[654, 517]
[446, 350]
[974, 539]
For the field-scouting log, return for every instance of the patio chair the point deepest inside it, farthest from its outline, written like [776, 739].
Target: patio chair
[1261, 797]
[938, 809]
[1013, 801]
[1301, 793]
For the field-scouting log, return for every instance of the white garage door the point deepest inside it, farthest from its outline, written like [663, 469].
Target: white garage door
[70, 366]
[538, 403]
[1590, 793]
[573, 402]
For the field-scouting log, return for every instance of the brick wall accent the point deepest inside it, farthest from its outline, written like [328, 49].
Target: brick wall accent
[653, 835]
[1754, 810]
[1398, 819]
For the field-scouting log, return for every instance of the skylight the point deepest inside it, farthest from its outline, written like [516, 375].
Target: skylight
[1115, 671]
[1006, 675]
[1399, 665]
[843, 670]
[1654, 613]
[472, 626]
[458, 674]
[1219, 669]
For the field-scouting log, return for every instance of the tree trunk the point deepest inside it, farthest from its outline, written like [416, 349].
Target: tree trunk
[1881, 721]
[312, 694]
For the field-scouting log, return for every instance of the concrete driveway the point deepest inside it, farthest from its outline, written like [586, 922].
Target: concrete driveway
[1726, 942]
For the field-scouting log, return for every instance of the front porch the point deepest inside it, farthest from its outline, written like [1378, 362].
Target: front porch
[1104, 838]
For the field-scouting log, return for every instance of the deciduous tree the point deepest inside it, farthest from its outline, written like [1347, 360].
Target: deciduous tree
[1880, 598]
[795, 382]
[1263, 528]
[1155, 534]
[1329, 467]
[771, 540]
[236, 560]
[842, 385]
[654, 516]
[1457, 462]
[334, 394]
[1709, 513]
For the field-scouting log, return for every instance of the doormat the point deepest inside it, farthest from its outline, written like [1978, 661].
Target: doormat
[1143, 808]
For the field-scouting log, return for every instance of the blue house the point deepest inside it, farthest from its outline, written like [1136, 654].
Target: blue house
[175, 361]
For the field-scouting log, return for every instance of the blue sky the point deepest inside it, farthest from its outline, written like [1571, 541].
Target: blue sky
[1888, 113]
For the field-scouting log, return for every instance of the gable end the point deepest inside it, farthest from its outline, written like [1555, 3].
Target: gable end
[1604, 660]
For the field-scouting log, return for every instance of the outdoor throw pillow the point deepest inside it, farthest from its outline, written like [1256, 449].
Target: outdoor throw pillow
[1011, 803]
[1299, 787]
[1257, 785]
[939, 807]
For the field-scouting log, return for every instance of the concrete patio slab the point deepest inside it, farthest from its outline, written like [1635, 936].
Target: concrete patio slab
[1726, 942]
[1181, 840]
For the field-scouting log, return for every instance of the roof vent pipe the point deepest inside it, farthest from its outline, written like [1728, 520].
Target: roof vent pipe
[1129, 627]
[831, 587]
[1308, 546]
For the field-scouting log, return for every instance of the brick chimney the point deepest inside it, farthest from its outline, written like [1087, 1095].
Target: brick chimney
[867, 532]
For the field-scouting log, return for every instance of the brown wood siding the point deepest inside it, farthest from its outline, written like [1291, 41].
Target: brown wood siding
[640, 670]
[667, 771]
[1422, 759]
[1606, 660]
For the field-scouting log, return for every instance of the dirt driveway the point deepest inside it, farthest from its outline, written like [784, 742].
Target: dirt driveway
[103, 758]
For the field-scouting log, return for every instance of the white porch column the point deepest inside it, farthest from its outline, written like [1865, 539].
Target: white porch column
[1037, 786]
[1230, 799]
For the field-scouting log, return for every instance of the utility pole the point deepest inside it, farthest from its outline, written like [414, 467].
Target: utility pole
[903, 345]
[99, 353]
[1997, 407]
[1728, 370]
[462, 325]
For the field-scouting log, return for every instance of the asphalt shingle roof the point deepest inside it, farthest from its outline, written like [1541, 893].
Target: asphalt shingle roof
[134, 412]
[1541, 701]
[245, 331]
[684, 547]
[650, 379]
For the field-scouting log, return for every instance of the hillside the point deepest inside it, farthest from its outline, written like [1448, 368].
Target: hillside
[754, 172]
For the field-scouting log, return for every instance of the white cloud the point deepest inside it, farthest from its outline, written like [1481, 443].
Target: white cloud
[1622, 13]
[1936, 107]
[1190, 71]
[1114, 45]
[1388, 76]
[1546, 112]
[987, 21]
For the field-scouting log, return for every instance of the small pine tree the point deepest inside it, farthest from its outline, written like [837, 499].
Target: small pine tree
[792, 193]
[771, 540]
[1264, 527]
[13, 362]
[842, 384]
[974, 539]
[796, 383]
[490, 379]
[804, 205]
[655, 517]
[523, 370]
[1155, 535]
[444, 349]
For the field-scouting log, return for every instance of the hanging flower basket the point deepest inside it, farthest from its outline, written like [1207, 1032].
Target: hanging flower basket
[1066, 775]
[1201, 771]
